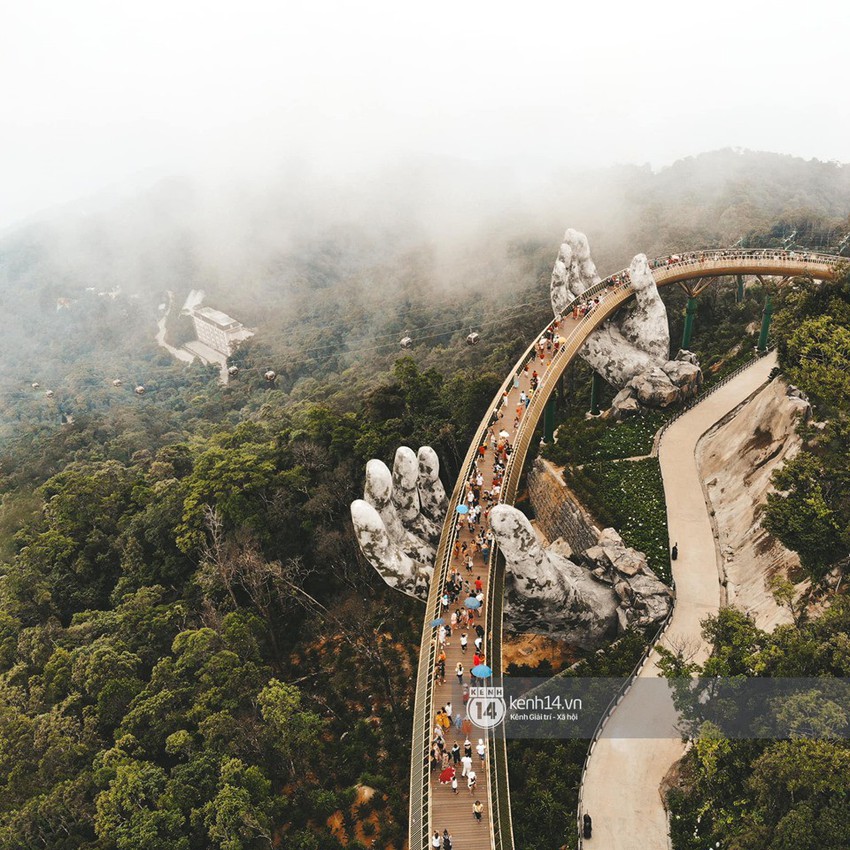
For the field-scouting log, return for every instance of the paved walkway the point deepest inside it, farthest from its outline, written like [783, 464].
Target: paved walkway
[621, 789]
[449, 810]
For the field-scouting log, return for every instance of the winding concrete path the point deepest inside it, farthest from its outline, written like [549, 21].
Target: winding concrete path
[640, 744]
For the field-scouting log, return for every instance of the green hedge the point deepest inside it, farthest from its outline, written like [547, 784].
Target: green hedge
[582, 440]
[628, 496]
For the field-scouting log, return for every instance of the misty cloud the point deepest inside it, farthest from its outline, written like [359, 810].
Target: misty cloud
[114, 96]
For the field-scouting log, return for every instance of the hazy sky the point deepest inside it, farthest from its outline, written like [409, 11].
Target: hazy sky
[103, 93]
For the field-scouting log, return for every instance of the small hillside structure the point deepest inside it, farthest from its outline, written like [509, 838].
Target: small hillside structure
[219, 331]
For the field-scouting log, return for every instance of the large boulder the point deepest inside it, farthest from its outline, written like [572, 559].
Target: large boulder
[625, 404]
[654, 388]
[686, 376]
[687, 356]
[643, 597]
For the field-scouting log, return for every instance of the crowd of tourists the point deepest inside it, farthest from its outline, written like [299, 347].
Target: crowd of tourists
[691, 257]
[460, 627]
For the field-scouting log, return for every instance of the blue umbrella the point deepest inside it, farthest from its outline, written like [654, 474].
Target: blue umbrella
[482, 671]
[463, 509]
[438, 622]
[472, 602]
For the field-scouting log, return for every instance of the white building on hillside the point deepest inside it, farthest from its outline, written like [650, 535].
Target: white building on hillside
[218, 330]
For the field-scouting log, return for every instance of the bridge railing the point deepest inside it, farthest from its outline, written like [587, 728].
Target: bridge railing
[500, 799]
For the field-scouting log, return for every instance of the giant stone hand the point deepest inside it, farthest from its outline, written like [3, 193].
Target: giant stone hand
[399, 519]
[398, 524]
[546, 591]
[632, 348]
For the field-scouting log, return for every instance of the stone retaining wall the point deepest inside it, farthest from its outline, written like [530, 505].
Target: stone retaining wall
[557, 511]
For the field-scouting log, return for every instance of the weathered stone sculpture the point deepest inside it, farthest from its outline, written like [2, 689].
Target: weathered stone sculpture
[398, 520]
[631, 350]
[398, 526]
[546, 591]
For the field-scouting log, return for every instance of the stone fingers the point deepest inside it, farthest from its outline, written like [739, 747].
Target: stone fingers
[396, 567]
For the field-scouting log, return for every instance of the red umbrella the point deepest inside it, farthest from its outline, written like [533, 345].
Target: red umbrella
[447, 775]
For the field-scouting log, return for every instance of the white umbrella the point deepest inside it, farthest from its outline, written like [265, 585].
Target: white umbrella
[504, 434]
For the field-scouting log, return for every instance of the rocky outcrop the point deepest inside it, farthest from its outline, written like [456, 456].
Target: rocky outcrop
[587, 603]
[661, 386]
[633, 345]
[644, 598]
[736, 460]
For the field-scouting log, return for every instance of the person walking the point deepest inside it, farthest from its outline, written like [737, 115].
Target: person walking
[456, 753]
[454, 784]
[459, 672]
[480, 749]
[436, 843]
[447, 840]
[477, 809]
[463, 642]
[471, 779]
[466, 761]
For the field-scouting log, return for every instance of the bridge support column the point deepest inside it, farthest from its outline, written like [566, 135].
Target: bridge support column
[690, 312]
[765, 324]
[739, 298]
[595, 389]
[549, 420]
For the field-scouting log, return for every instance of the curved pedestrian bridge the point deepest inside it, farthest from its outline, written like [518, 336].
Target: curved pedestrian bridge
[435, 807]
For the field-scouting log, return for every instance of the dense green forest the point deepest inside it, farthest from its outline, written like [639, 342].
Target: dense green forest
[192, 652]
[187, 624]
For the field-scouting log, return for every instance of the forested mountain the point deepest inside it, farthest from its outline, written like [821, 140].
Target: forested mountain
[192, 653]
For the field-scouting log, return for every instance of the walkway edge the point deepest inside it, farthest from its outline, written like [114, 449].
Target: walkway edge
[650, 648]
